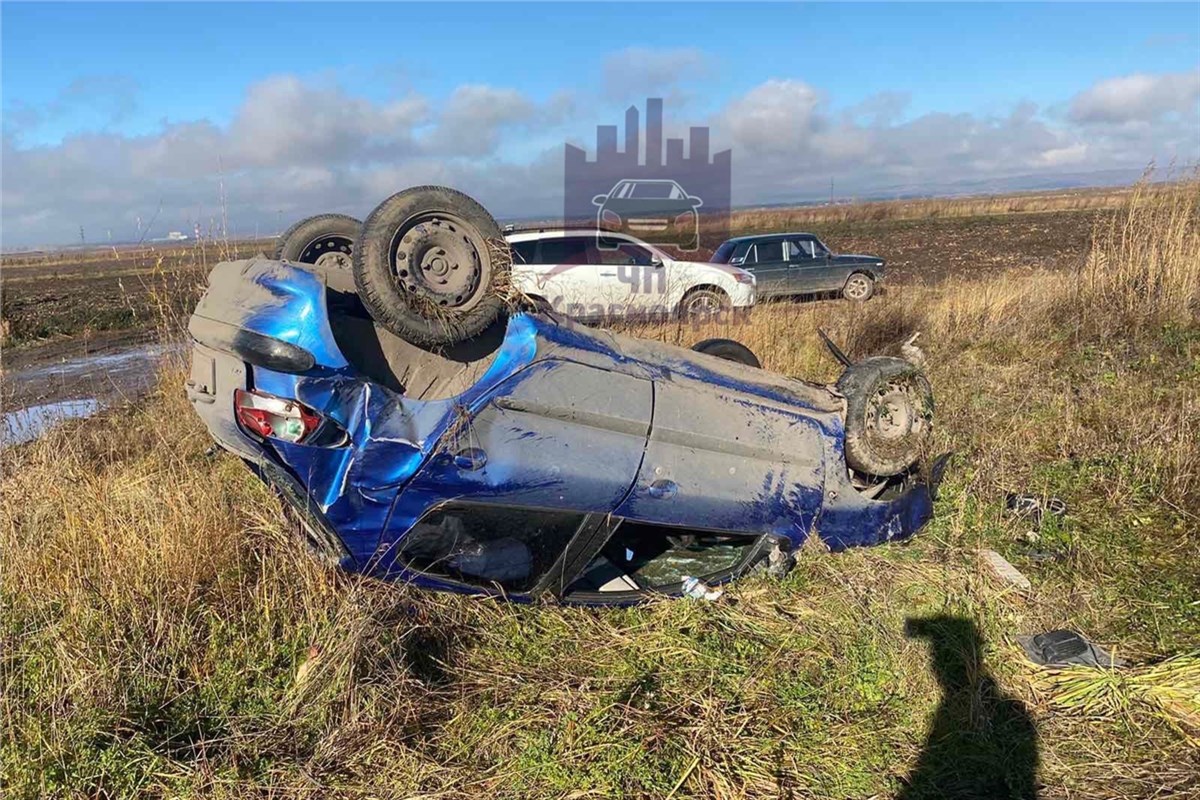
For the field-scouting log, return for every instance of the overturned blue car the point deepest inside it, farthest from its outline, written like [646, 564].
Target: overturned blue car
[427, 429]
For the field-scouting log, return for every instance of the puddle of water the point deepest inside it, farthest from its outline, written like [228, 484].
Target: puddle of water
[40, 396]
[27, 424]
[140, 357]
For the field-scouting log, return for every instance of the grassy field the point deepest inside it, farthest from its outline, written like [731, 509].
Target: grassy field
[163, 633]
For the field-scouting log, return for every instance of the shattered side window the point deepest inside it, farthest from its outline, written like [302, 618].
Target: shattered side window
[489, 545]
[640, 557]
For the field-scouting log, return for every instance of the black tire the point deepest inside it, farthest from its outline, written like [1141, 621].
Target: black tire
[326, 240]
[729, 350]
[859, 287]
[889, 415]
[460, 264]
[703, 302]
[536, 305]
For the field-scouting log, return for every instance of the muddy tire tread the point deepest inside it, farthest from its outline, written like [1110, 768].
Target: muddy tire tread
[378, 291]
[858, 383]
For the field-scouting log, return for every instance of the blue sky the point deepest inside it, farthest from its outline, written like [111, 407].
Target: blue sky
[124, 75]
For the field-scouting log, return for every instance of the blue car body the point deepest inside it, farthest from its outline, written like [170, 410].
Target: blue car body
[551, 460]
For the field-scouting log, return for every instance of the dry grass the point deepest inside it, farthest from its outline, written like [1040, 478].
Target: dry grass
[164, 634]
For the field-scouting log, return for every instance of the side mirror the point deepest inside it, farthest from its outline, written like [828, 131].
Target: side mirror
[695, 201]
[599, 199]
[737, 262]
[655, 261]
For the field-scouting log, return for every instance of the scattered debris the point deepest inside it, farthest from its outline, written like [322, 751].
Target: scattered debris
[1033, 507]
[834, 350]
[1061, 648]
[1004, 570]
[912, 353]
[1170, 690]
[699, 590]
[780, 560]
[1055, 554]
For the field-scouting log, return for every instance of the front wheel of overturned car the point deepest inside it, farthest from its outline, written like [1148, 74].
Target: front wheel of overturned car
[889, 415]
[432, 266]
[729, 350]
[859, 287]
[326, 240]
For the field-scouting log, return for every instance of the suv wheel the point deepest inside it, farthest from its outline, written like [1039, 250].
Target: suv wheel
[700, 303]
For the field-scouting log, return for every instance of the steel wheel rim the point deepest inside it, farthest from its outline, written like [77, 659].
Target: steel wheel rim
[328, 251]
[857, 287]
[440, 258]
[896, 412]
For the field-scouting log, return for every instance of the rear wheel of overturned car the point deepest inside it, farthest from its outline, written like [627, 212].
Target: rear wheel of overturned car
[729, 350]
[703, 303]
[326, 240]
[859, 286]
[432, 266]
[889, 414]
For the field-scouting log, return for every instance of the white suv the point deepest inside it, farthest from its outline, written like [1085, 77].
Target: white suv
[596, 276]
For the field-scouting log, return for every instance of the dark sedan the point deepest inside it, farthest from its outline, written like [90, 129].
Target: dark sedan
[798, 263]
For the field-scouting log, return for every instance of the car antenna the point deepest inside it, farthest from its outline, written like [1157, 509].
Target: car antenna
[833, 348]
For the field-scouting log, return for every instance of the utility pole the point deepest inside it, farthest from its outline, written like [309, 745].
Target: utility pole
[831, 191]
[82, 238]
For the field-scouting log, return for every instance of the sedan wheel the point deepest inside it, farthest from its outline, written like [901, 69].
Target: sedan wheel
[859, 287]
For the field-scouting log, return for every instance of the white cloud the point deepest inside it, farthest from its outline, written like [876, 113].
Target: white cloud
[302, 147]
[788, 143]
[1063, 156]
[635, 72]
[778, 116]
[1138, 98]
[473, 118]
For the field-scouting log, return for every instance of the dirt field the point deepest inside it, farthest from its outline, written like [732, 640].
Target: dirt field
[96, 300]
[82, 301]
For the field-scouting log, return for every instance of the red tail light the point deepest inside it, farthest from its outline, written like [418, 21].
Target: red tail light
[272, 417]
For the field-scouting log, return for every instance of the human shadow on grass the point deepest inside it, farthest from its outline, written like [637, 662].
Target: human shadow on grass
[982, 743]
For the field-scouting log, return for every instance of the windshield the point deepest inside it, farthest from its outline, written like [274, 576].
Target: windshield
[723, 253]
[657, 190]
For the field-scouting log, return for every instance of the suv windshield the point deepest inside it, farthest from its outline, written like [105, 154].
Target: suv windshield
[655, 190]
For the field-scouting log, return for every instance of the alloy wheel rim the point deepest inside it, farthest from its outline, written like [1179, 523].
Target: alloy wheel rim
[857, 287]
[703, 304]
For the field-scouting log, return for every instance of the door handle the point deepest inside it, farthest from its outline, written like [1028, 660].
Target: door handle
[663, 489]
[470, 459]
[608, 274]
